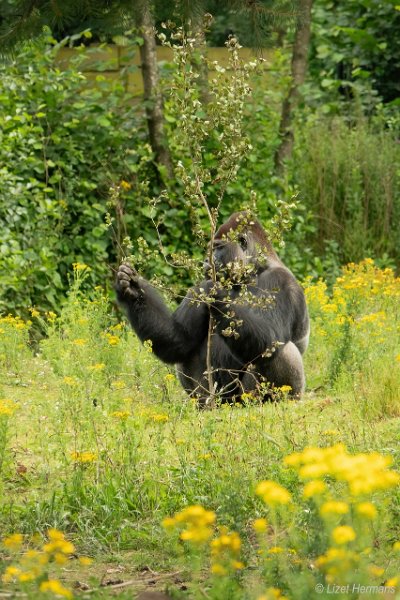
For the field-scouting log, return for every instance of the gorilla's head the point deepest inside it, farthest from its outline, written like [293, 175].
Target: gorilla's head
[241, 247]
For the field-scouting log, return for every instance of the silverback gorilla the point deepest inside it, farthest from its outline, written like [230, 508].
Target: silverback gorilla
[261, 324]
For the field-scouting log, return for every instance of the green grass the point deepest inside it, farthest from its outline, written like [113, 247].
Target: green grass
[93, 389]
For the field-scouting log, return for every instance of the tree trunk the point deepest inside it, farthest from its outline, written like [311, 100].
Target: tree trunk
[298, 68]
[152, 95]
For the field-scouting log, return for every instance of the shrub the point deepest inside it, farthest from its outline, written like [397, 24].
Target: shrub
[63, 144]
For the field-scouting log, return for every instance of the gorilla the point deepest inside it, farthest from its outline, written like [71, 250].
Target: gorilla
[254, 306]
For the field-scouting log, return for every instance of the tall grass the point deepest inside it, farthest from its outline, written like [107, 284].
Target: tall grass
[350, 181]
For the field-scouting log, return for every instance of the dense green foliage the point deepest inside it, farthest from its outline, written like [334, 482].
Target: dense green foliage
[63, 144]
[356, 50]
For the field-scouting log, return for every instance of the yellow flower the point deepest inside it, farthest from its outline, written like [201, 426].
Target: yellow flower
[217, 569]
[148, 346]
[329, 308]
[7, 407]
[36, 556]
[25, 576]
[285, 389]
[118, 384]
[62, 545]
[196, 535]
[10, 574]
[237, 565]
[340, 320]
[373, 317]
[197, 521]
[392, 582]
[58, 543]
[125, 185]
[196, 515]
[272, 493]
[78, 266]
[225, 550]
[60, 558]
[260, 525]
[376, 571]
[55, 534]
[159, 418]
[85, 561]
[169, 377]
[314, 488]
[70, 381]
[227, 542]
[396, 546]
[364, 473]
[312, 471]
[308, 456]
[168, 523]
[121, 414]
[35, 313]
[272, 593]
[56, 588]
[97, 367]
[334, 507]
[338, 558]
[84, 457]
[367, 509]
[343, 534]
[14, 541]
[113, 340]
[275, 550]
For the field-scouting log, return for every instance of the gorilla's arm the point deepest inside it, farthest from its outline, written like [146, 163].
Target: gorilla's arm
[284, 319]
[174, 336]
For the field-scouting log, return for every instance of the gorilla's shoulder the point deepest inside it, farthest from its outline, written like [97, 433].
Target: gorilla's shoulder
[277, 276]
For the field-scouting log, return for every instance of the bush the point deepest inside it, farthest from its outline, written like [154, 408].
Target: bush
[63, 144]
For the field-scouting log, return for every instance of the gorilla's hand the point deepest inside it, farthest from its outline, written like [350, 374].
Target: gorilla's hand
[127, 284]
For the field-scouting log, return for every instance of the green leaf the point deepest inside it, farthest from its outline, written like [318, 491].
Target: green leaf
[103, 121]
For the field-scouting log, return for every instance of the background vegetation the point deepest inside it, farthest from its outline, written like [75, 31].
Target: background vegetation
[71, 152]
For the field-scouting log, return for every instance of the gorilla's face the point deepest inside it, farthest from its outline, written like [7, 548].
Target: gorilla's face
[229, 252]
[240, 249]
[234, 257]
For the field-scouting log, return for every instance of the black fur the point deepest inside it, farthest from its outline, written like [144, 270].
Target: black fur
[253, 341]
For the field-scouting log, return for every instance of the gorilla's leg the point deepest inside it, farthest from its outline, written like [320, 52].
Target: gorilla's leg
[302, 344]
[227, 373]
[286, 368]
